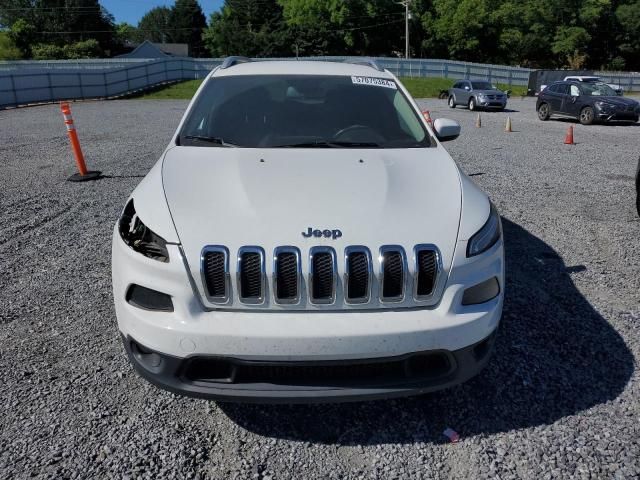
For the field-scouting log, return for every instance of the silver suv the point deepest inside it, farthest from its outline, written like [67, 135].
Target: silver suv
[476, 94]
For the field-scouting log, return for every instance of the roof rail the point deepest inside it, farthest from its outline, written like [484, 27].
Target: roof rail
[231, 61]
[367, 62]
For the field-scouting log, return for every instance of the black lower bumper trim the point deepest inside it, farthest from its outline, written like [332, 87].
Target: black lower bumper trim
[238, 380]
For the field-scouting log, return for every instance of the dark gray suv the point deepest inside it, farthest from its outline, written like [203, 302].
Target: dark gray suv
[476, 94]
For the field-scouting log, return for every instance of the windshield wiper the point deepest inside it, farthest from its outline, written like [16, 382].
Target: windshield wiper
[215, 140]
[326, 144]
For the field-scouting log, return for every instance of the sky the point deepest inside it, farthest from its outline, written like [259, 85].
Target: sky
[131, 11]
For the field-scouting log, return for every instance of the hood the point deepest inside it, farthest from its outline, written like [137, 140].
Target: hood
[268, 197]
[616, 100]
[490, 92]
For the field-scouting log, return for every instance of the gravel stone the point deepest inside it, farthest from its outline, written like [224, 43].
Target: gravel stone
[559, 399]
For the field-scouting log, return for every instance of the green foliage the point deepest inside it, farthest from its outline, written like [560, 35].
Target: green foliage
[56, 22]
[186, 25]
[126, 33]
[47, 51]
[248, 27]
[8, 49]
[86, 49]
[534, 33]
[154, 25]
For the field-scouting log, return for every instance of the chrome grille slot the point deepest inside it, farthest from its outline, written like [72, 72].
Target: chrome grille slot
[427, 268]
[322, 275]
[251, 275]
[214, 267]
[392, 273]
[357, 276]
[286, 275]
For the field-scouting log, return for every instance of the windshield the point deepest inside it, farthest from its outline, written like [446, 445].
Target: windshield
[482, 86]
[304, 111]
[597, 89]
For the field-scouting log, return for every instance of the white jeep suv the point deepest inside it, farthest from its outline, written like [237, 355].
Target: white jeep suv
[305, 237]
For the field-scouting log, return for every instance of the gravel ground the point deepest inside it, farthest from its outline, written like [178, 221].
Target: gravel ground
[560, 398]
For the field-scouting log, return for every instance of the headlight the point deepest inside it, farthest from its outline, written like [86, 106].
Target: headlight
[487, 236]
[140, 238]
[482, 96]
[605, 106]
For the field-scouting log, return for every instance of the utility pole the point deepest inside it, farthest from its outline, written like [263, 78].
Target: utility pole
[407, 17]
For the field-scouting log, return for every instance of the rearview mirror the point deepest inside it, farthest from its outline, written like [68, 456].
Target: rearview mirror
[446, 129]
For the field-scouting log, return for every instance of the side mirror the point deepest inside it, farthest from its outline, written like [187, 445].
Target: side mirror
[446, 129]
[466, 87]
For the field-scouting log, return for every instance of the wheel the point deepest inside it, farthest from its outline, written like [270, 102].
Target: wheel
[544, 112]
[586, 116]
[452, 102]
[472, 104]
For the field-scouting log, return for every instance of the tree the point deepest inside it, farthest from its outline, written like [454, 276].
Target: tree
[154, 25]
[56, 22]
[8, 49]
[357, 27]
[126, 33]
[253, 28]
[628, 16]
[187, 24]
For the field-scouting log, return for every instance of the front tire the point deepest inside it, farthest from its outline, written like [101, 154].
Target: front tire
[472, 104]
[452, 102]
[587, 116]
[544, 112]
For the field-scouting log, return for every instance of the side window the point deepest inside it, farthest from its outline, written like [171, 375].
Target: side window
[457, 85]
[575, 91]
[553, 88]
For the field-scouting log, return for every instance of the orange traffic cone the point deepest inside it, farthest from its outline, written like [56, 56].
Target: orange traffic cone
[568, 138]
[507, 127]
[427, 117]
[478, 122]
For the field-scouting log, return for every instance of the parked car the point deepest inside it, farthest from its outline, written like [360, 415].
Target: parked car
[306, 237]
[584, 78]
[476, 94]
[585, 101]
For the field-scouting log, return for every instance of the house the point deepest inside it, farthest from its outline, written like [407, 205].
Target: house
[149, 49]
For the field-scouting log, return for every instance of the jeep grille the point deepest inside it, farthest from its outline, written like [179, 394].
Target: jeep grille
[390, 280]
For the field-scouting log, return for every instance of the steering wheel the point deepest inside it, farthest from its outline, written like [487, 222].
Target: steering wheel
[354, 128]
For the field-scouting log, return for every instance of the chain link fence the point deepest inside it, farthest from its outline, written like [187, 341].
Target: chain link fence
[29, 82]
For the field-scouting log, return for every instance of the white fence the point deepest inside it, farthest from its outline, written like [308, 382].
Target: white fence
[29, 82]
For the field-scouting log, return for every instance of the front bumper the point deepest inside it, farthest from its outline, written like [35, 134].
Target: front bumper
[237, 380]
[295, 338]
[488, 103]
[617, 114]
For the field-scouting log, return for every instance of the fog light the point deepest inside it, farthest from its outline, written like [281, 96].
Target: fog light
[482, 292]
[148, 299]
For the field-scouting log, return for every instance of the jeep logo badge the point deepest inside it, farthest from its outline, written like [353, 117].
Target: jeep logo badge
[335, 234]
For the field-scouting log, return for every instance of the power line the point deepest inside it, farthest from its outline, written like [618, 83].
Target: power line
[52, 32]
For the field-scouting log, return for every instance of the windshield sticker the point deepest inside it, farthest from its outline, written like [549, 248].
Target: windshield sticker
[376, 82]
